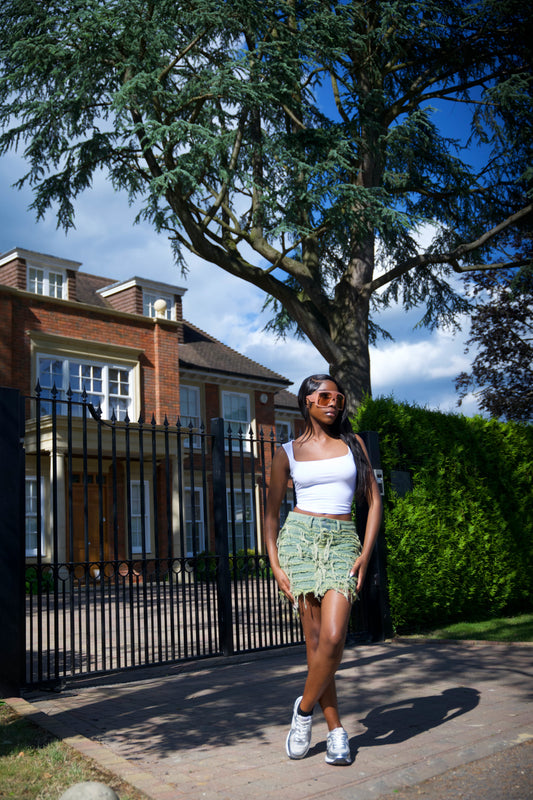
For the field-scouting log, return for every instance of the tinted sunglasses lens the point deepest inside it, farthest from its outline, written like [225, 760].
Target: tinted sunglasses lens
[324, 399]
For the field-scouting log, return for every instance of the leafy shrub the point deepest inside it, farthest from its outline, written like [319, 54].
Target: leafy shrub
[460, 545]
[205, 566]
[35, 583]
[248, 564]
[242, 564]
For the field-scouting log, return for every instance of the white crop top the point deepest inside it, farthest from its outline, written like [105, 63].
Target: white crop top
[324, 486]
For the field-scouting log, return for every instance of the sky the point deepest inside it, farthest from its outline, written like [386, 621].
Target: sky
[419, 366]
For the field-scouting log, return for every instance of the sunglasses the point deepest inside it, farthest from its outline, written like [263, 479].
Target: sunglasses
[323, 399]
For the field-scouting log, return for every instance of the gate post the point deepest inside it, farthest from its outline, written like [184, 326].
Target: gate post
[374, 595]
[12, 539]
[225, 621]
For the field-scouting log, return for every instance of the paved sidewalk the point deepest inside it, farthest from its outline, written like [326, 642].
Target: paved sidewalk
[414, 709]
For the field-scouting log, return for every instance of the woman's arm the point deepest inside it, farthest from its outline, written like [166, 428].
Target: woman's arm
[279, 478]
[373, 523]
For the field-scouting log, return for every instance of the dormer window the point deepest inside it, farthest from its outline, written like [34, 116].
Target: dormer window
[47, 282]
[149, 301]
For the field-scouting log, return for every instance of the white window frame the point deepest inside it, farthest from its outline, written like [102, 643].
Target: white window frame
[32, 480]
[104, 398]
[199, 520]
[239, 539]
[150, 297]
[236, 424]
[43, 282]
[194, 419]
[135, 485]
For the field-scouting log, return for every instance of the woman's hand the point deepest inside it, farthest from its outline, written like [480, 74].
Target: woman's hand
[283, 583]
[359, 569]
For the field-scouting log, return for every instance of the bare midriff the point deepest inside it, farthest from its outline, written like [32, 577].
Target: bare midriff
[344, 517]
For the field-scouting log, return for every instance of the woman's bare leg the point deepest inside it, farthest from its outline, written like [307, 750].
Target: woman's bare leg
[324, 625]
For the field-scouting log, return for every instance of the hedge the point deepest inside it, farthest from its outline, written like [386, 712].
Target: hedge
[460, 544]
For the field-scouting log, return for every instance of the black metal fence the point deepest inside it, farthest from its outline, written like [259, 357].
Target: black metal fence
[126, 544]
[143, 542]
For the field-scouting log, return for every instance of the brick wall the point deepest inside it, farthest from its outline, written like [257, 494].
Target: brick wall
[158, 342]
[14, 273]
[166, 371]
[212, 403]
[71, 285]
[6, 339]
[130, 300]
[179, 315]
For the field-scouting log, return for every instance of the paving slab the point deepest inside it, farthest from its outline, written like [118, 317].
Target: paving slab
[415, 710]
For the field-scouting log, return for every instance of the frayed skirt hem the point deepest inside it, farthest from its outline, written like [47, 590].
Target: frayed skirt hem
[317, 554]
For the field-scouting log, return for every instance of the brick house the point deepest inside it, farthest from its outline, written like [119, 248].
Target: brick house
[127, 348]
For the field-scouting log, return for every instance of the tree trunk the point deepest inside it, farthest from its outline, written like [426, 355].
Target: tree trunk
[352, 366]
[349, 325]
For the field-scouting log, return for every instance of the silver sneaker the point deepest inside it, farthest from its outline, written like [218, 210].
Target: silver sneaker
[338, 752]
[299, 738]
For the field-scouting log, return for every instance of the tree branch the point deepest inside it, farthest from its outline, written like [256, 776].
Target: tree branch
[231, 167]
[452, 257]
[496, 265]
[164, 72]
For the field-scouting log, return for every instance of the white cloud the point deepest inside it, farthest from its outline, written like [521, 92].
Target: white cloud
[438, 356]
[293, 358]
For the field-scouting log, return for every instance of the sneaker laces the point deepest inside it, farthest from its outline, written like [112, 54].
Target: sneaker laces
[301, 728]
[337, 738]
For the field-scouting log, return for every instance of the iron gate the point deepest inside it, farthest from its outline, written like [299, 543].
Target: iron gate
[143, 542]
[126, 544]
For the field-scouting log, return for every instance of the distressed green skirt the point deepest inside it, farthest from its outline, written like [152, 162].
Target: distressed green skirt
[317, 554]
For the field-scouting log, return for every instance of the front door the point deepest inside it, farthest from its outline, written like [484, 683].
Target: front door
[86, 520]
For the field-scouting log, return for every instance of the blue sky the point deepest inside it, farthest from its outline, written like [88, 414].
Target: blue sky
[418, 366]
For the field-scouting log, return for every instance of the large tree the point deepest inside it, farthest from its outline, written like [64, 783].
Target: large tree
[501, 336]
[297, 144]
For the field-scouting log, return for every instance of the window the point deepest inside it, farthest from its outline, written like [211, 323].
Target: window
[45, 281]
[194, 523]
[190, 410]
[283, 431]
[240, 529]
[138, 519]
[106, 385]
[31, 507]
[148, 304]
[236, 412]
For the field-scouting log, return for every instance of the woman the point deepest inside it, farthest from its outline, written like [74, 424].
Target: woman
[317, 559]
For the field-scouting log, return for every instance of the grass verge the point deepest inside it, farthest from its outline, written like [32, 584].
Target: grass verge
[502, 629]
[34, 765]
